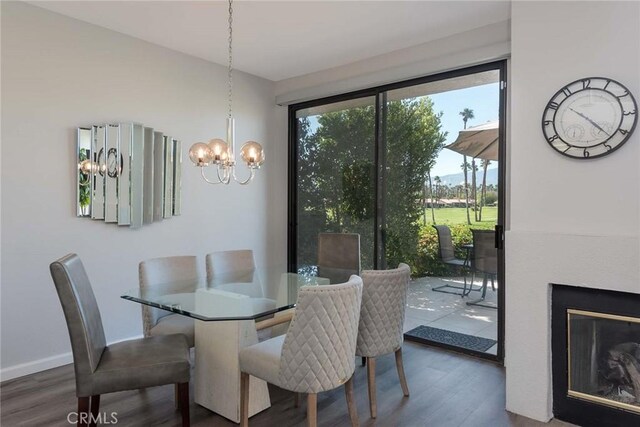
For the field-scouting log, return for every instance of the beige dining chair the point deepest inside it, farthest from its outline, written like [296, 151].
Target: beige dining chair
[162, 276]
[384, 301]
[317, 353]
[129, 365]
[338, 256]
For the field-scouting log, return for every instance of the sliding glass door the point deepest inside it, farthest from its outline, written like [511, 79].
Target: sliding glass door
[396, 163]
[335, 165]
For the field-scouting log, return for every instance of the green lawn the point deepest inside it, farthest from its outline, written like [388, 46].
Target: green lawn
[459, 216]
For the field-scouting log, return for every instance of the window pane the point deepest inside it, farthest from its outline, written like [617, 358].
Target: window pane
[336, 172]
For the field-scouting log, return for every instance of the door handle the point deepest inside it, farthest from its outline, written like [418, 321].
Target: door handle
[499, 242]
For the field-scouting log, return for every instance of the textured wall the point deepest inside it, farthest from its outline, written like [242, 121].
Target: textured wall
[59, 73]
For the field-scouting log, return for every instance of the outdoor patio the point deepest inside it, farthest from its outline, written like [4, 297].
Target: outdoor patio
[450, 312]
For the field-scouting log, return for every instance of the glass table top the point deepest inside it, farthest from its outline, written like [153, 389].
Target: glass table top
[237, 295]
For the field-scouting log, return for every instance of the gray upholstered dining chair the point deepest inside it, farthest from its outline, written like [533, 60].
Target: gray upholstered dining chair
[230, 266]
[316, 354]
[338, 256]
[129, 365]
[168, 275]
[384, 301]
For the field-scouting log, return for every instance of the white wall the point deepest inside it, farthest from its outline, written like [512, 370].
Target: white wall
[572, 221]
[59, 73]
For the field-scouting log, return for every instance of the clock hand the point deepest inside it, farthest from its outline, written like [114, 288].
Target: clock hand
[597, 126]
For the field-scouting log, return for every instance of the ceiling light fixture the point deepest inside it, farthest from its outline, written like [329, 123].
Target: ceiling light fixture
[222, 153]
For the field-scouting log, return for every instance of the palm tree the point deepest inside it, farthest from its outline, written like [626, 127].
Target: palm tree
[433, 214]
[467, 114]
[483, 192]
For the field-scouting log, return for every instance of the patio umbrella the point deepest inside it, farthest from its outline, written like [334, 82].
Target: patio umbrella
[480, 142]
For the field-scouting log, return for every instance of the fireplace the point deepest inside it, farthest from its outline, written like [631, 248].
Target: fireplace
[596, 356]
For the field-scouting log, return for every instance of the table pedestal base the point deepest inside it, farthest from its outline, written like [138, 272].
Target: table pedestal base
[217, 370]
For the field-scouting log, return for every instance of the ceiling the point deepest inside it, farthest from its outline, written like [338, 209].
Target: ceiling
[282, 39]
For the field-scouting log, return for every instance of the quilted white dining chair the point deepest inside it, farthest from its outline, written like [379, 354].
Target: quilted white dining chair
[317, 353]
[384, 300]
[168, 275]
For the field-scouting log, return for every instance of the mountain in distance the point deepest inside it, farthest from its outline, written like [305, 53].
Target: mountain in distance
[458, 178]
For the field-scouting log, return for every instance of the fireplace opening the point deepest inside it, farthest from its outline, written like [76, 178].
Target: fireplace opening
[596, 356]
[604, 358]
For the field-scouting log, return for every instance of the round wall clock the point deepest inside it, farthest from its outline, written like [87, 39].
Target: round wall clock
[590, 118]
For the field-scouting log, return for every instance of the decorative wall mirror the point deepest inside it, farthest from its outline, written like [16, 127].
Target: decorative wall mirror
[128, 174]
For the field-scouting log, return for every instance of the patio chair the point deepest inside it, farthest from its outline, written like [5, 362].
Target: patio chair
[484, 261]
[447, 256]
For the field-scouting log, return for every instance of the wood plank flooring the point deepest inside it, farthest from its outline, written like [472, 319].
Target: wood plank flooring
[447, 389]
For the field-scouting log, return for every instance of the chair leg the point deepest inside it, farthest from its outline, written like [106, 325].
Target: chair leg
[176, 398]
[95, 408]
[83, 411]
[371, 380]
[351, 404]
[400, 367]
[244, 399]
[312, 410]
[183, 392]
[296, 400]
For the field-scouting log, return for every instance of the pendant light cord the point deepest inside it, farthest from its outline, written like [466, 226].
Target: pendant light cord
[230, 58]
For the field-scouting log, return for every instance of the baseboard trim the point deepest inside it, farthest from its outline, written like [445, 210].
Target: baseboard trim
[28, 368]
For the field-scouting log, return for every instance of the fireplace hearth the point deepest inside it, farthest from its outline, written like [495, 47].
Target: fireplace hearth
[596, 356]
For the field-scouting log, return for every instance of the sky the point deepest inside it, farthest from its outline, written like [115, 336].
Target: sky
[483, 100]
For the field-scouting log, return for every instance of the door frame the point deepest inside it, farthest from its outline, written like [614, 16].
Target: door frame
[379, 92]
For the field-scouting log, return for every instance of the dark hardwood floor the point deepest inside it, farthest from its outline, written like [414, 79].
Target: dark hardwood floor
[447, 389]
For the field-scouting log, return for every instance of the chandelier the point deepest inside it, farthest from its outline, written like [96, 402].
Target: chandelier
[222, 153]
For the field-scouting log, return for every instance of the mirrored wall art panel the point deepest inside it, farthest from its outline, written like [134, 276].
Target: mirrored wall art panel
[83, 199]
[147, 206]
[127, 174]
[167, 207]
[112, 162]
[136, 190]
[97, 150]
[177, 177]
[124, 174]
[158, 175]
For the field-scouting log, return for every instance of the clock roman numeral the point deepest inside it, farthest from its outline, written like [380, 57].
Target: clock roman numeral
[567, 92]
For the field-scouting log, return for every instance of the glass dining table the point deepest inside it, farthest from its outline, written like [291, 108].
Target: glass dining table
[225, 309]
